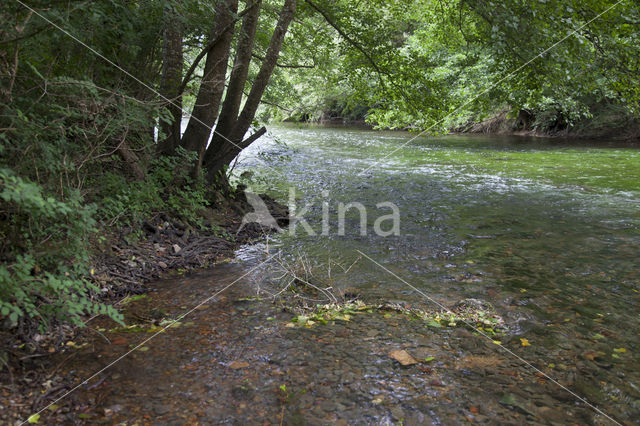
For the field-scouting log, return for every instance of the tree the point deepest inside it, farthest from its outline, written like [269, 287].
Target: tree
[171, 79]
[228, 139]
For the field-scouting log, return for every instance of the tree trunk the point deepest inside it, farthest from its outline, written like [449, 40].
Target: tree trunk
[233, 98]
[171, 79]
[131, 159]
[223, 152]
[205, 111]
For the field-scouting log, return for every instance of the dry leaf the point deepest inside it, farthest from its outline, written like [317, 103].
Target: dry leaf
[403, 357]
[238, 364]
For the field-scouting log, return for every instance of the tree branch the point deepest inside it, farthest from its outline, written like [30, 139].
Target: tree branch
[210, 46]
[261, 58]
[349, 40]
[254, 137]
[366, 54]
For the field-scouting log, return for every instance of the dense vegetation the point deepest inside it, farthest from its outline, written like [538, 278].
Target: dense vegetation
[446, 64]
[92, 97]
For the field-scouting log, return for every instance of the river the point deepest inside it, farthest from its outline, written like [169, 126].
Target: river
[544, 231]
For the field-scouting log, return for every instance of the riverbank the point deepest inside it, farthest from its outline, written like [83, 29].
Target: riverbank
[123, 264]
[604, 125]
[609, 126]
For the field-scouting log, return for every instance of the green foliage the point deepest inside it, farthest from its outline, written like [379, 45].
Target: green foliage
[440, 64]
[45, 254]
[168, 188]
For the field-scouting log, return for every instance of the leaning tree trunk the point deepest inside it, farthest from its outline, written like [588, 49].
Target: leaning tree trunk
[221, 153]
[238, 79]
[205, 111]
[171, 79]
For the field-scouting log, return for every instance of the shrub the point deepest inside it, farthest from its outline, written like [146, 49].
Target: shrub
[45, 256]
[168, 188]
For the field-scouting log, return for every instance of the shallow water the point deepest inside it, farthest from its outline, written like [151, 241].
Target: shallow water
[546, 231]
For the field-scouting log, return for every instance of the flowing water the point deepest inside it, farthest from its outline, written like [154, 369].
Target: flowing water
[545, 231]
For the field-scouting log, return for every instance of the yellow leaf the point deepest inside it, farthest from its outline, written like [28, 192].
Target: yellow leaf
[525, 342]
[92, 271]
[497, 342]
[620, 350]
[33, 418]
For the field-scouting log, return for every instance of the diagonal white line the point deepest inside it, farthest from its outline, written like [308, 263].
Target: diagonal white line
[508, 76]
[121, 357]
[509, 351]
[145, 85]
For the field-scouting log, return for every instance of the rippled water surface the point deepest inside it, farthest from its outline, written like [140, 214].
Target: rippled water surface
[546, 231]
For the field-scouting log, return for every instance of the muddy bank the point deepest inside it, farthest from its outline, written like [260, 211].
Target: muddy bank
[123, 267]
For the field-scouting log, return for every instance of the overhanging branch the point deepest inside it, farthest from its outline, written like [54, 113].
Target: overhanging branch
[279, 65]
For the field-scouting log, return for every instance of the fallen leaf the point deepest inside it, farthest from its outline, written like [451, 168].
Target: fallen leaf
[590, 355]
[119, 341]
[33, 418]
[497, 342]
[525, 342]
[620, 350]
[474, 410]
[403, 357]
[238, 364]
[508, 399]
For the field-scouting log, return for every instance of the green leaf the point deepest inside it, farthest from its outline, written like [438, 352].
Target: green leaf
[508, 399]
[33, 418]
